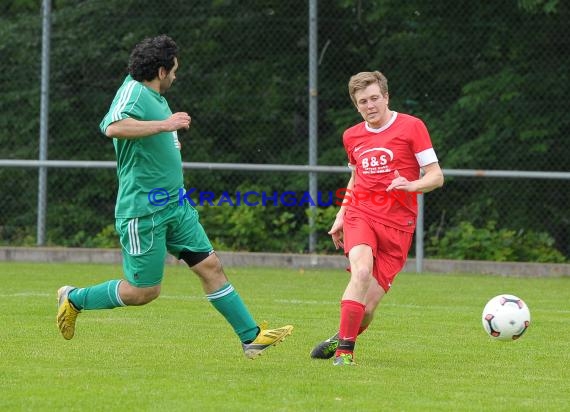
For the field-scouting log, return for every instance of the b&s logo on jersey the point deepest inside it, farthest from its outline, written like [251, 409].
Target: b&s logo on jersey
[375, 160]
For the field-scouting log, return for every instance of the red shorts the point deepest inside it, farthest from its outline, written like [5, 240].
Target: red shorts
[390, 246]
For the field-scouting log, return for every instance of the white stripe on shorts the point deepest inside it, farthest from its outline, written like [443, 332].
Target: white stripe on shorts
[134, 240]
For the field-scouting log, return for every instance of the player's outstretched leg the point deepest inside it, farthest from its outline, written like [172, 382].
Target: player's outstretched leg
[326, 348]
[66, 312]
[265, 339]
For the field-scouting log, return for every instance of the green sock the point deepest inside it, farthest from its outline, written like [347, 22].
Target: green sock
[102, 296]
[227, 301]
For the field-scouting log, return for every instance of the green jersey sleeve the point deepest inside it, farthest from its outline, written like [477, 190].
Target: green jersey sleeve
[125, 104]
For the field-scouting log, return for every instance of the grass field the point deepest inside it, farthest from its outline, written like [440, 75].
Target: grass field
[426, 350]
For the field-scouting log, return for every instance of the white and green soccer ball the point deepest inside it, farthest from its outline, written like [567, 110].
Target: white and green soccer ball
[506, 317]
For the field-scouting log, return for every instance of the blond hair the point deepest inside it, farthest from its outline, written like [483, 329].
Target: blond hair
[362, 80]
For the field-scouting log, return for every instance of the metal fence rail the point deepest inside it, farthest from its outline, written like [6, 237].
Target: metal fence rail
[107, 164]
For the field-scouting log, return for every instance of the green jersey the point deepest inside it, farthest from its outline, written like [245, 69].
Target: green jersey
[148, 163]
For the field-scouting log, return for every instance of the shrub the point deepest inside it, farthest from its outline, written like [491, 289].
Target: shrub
[490, 243]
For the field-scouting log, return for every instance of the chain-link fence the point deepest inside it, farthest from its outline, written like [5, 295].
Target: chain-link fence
[488, 79]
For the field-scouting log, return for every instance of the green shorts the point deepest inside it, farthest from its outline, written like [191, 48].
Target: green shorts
[146, 239]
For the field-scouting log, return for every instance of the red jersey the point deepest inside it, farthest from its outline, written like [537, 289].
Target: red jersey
[403, 144]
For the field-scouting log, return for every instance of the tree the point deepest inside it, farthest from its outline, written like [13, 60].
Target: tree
[492, 95]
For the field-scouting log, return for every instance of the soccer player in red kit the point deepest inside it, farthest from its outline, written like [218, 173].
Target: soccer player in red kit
[377, 219]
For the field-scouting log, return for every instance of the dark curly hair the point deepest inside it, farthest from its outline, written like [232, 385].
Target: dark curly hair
[150, 55]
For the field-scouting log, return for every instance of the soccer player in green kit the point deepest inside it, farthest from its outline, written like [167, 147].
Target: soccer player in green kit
[144, 132]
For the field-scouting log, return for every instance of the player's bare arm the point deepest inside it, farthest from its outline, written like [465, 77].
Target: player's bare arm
[132, 129]
[432, 179]
[336, 231]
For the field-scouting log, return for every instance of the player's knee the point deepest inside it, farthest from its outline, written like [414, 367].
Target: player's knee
[211, 266]
[216, 265]
[361, 274]
[136, 296]
[150, 294]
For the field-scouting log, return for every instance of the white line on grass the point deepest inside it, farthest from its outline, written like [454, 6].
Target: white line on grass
[25, 294]
[399, 305]
[288, 301]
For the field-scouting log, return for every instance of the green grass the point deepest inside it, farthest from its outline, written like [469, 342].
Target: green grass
[425, 351]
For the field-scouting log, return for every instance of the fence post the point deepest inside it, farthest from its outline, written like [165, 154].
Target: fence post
[420, 235]
[313, 123]
[44, 119]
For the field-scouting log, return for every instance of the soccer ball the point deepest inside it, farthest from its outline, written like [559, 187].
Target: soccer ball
[506, 317]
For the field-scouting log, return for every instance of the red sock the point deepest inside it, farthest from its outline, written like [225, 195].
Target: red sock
[351, 315]
[362, 329]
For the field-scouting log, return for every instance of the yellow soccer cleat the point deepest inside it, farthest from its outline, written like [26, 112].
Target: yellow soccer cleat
[265, 339]
[66, 312]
